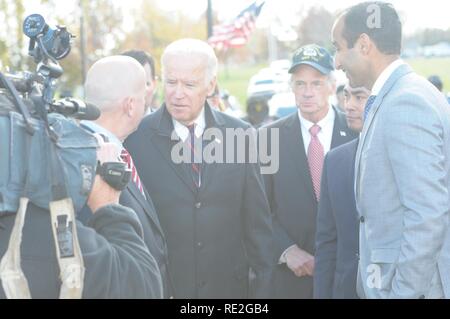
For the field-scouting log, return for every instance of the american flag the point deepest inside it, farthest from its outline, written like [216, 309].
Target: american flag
[236, 33]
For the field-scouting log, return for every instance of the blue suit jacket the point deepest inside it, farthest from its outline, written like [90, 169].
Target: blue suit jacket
[336, 256]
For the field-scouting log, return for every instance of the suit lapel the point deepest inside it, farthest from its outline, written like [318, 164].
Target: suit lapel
[292, 134]
[398, 73]
[164, 144]
[151, 213]
[341, 133]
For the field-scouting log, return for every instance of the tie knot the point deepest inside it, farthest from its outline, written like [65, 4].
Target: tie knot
[314, 130]
[191, 128]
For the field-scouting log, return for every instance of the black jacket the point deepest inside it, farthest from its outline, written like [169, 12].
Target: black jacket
[153, 234]
[118, 265]
[337, 234]
[215, 234]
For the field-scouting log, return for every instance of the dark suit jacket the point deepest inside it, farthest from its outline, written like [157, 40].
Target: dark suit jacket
[293, 202]
[153, 234]
[213, 234]
[151, 230]
[337, 227]
[118, 265]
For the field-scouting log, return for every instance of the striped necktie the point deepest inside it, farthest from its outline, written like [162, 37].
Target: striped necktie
[368, 106]
[195, 166]
[126, 157]
[315, 159]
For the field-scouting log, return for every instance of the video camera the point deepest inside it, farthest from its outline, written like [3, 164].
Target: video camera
[47, 46]
[44, 153]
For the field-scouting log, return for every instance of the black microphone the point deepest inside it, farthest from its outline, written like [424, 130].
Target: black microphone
[76, 108]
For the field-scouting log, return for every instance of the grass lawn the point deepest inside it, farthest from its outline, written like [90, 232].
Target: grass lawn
[433, 66]
[235, 79]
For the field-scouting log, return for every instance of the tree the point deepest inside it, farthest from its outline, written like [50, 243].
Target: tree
[104, 24]
[154, 29]
[316, 27]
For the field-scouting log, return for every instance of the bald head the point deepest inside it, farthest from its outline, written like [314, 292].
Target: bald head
[112, 79]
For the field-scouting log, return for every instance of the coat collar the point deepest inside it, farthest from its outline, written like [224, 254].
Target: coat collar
[395, 76]
[165, 123]
[164, 143]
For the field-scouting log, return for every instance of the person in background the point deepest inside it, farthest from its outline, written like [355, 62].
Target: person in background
[294, 191]
[147, 61]
[340, 98]
[215, 100]
[337, 219]
[437, 82]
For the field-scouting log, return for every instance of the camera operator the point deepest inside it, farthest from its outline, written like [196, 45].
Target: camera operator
[48, 171]
[117, 262]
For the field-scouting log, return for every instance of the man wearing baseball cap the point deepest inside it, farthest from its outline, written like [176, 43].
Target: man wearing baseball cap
[294, 191]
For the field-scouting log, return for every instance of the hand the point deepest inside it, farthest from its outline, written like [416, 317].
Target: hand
[299, 261]
[102, 194]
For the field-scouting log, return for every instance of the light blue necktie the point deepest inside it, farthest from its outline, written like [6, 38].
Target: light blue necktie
[369, 104]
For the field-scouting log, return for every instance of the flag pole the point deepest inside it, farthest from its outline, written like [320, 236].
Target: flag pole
[209, 19]
[83, 42]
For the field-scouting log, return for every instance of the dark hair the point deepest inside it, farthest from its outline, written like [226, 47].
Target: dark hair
[387, 36]
[143, 58]
[436, 81]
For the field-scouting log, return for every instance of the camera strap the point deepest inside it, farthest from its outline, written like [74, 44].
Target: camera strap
[63, 222]
[13, 279]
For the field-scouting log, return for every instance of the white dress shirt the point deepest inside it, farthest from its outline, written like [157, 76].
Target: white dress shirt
[183, 132]
[385, 75]
[326, 130]
[325, 136]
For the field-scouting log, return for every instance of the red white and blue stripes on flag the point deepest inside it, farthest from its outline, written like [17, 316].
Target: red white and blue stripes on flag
[236, 33]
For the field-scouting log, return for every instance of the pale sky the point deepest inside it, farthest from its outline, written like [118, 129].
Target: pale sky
[415, 14]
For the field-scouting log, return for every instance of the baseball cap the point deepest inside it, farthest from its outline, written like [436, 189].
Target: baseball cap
[315, 56]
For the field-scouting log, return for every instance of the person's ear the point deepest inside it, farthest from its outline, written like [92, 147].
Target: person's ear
[364, 44]
[212, 86]
[128, 106]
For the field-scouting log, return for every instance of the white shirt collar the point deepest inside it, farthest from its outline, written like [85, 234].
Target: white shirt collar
[326, 121]
[385, 75]
[183, 132]
[101, 130]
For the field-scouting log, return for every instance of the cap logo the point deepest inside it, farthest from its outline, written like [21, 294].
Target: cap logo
[310, 52]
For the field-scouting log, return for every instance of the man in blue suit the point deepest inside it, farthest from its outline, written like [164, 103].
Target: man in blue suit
[337, 218]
